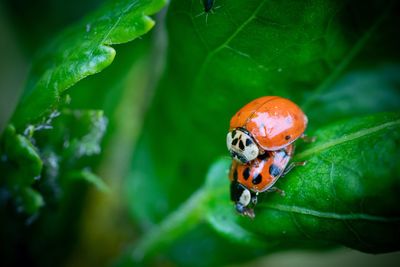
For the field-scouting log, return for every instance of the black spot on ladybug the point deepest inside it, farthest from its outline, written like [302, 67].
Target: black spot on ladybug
[233, 133]
[238, 156]
[257, 179]
[241, 145]
[235, 141]
[263, 156]
[235, 175]
[287, 137]
[246, 173]
[248, 142]
[274, 170]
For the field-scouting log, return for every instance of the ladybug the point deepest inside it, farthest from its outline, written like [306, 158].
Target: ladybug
[268, 123]
[248, 180]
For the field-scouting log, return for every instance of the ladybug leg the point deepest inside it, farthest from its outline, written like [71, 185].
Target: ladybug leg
[254, 199]
[308, 139]
[276, 189]
[292, 165]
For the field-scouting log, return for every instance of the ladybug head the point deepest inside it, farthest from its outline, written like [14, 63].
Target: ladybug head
[241, 145]
[242, 198]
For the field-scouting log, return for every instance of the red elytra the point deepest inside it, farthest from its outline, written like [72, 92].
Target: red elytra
[261, 174]
[274, 122]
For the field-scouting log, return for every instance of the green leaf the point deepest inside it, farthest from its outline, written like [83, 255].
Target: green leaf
[347, 192]
[30, 200]
[81, 50]
[64, 145]
[22, 167]
[23, 157]
[77, 133]
[295, 49]
[337, 198]
[327, 56]
[358, 92]
[67, 141]
[90, 177]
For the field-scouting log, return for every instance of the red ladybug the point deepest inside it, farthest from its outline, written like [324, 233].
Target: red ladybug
[247, 180]
[267, 123]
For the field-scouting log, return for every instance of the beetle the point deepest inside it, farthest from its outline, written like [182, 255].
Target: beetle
[259, 175]
[267, 123]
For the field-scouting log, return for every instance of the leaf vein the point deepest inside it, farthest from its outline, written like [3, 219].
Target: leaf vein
[346, 138]
[227, 41]
[331, 215]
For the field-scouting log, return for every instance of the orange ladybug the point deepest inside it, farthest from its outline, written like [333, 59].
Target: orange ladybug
[247, 180]
[267, 123]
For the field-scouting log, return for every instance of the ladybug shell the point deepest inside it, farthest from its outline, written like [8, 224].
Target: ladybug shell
[273, 121]
[261, 174]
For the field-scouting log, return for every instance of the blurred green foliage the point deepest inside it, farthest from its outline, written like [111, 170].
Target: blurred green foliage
[153, 126]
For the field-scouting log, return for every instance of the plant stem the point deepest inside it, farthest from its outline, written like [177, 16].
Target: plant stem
[186, 217]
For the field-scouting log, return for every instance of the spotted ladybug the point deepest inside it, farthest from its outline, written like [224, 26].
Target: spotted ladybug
[260, 175]
[268, 123]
